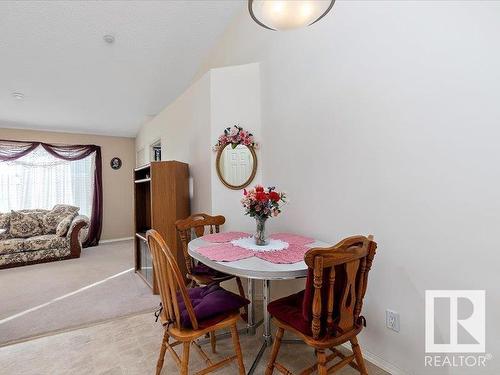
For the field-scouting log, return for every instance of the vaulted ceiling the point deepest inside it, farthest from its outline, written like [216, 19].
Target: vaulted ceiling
[72, 80]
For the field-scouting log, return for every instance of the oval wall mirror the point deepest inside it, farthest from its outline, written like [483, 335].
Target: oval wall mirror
[236, 165]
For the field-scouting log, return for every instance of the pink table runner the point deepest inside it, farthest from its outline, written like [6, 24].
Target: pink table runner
[224, 251]
[224, 237]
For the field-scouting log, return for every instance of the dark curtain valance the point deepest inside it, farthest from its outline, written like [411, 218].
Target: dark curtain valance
[12, 150]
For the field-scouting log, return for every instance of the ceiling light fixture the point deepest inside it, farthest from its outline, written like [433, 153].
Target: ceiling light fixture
[108, 38]
[286, 15]
[18, 95]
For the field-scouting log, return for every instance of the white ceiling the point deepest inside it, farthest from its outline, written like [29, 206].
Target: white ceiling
[54, 53]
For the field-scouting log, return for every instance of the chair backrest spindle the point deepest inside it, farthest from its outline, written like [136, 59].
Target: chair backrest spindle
[365, 267]
[331, 298]
[348, 299]
[316, 307]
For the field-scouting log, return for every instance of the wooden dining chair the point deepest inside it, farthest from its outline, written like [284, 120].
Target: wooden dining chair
[328, 312]
[201, 274]
[188, 314]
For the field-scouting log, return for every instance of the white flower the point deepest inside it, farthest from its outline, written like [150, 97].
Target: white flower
[233, 131]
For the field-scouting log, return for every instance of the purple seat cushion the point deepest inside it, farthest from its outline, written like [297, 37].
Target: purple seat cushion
[211, 304]
[202, 269]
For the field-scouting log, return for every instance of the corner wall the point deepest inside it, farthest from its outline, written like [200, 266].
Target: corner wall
[184, 130]
[191, 125]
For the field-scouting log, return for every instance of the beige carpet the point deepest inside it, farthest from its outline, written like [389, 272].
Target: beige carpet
[99, 286]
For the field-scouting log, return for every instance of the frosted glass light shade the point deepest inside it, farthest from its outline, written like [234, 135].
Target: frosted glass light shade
[288, 14]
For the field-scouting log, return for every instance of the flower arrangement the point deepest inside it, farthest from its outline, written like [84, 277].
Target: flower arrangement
[262, 204]
[235, 136]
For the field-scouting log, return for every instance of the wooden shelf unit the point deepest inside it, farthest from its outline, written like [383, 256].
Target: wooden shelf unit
[161, 193]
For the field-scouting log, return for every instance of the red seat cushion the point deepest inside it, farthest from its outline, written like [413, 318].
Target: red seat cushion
[289, 311]
[211, 304]
[296, 309]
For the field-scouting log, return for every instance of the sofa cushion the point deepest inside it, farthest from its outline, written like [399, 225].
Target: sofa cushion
[24, 224]
[38, 211]
[12, 245]
[46, 241]
[53, 217]
[211, 303]
[39, 214]
[5, 221]
[43, 242]
[63, 226]
[34, 256]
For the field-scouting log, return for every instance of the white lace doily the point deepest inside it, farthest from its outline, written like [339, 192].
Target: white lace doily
[249, 243]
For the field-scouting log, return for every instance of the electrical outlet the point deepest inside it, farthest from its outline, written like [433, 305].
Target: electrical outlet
[392, 320]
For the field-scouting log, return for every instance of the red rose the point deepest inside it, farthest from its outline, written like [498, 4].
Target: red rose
[274, 196]
[259, 188]
[261, 196]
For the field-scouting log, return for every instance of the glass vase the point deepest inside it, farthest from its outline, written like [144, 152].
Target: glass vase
[260, 233]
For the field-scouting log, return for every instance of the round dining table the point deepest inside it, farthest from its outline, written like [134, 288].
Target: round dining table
[252, 269]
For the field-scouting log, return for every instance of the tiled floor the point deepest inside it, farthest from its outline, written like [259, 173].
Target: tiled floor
[130, 346]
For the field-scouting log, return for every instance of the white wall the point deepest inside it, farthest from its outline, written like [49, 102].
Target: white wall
[235, 99]
[184, 130]
[383, 118]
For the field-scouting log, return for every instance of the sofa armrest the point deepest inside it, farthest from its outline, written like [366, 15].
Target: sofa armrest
[77, 234]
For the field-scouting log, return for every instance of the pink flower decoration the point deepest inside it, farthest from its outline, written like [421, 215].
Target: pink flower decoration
[235, 135]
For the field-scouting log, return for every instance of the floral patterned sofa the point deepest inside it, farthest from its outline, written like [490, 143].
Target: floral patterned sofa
[37, 236]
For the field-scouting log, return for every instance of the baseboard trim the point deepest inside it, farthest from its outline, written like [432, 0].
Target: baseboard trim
[379, 361]
[116, 240]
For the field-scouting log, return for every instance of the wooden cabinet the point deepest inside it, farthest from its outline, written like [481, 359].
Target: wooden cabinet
[161, 198]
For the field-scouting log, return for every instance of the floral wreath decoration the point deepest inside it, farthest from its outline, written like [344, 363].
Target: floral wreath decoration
[235, 135]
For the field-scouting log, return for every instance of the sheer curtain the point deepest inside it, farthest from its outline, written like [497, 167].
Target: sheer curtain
[40, 180]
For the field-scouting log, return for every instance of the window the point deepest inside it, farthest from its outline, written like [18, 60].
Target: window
[40, 180]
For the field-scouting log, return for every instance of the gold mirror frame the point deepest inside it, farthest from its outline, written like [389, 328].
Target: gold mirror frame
[247, 182]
